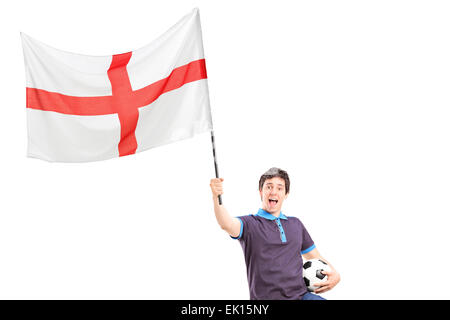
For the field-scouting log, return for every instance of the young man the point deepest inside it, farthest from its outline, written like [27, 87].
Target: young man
[273, 243]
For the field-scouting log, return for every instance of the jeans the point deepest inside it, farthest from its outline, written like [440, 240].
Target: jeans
[312, 296]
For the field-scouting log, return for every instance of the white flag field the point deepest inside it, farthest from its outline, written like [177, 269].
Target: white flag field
[87, 108]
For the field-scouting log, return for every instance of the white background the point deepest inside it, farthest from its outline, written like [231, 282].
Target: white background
[350, 97]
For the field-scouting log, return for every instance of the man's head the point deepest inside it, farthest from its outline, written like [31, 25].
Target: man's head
[274, 188]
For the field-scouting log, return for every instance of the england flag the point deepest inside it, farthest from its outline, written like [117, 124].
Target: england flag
[88, 108]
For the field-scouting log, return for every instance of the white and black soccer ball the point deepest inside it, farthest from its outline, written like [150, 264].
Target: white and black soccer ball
[312, 273]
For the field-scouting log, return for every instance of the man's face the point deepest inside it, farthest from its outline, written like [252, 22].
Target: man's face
[273, 194]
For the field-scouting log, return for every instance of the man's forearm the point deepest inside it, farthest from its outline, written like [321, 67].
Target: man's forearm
[222, 216]
[226, 222]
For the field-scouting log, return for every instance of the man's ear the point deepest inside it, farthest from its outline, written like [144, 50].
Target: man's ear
[285, 196]
[260, 194]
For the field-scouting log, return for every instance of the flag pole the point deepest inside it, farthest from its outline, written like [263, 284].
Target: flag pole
[215, 162]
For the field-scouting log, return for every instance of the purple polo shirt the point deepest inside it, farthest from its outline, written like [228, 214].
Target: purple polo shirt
[272, 249]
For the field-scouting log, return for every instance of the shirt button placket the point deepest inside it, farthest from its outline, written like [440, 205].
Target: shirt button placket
[280, 227]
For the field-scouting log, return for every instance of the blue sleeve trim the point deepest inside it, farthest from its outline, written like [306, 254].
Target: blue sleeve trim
[240, 232]
[309, 249]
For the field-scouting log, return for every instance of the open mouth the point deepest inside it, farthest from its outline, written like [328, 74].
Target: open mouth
[273, 202]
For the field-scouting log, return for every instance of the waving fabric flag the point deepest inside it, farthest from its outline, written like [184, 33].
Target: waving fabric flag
[88, 108]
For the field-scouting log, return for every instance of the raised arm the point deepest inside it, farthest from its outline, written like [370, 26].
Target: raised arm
[228, 223]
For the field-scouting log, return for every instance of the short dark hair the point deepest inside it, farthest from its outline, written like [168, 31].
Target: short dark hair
[272, 173]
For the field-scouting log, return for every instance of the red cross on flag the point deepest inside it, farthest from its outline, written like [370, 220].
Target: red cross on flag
[88, 108]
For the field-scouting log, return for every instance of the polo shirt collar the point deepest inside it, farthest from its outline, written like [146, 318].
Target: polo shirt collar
[264, 214]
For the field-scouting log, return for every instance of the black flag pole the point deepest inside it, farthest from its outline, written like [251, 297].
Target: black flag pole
[215, 161]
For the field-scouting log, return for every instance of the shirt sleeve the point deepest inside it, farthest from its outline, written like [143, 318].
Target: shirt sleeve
[242, 229]
[245, 228]
[307, 242]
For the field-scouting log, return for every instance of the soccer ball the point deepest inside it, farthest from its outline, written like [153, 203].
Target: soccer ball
[312, 273]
